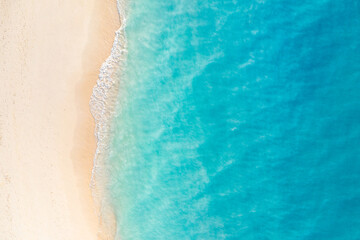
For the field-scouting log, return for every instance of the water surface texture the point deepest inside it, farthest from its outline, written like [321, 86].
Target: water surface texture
[238, 120]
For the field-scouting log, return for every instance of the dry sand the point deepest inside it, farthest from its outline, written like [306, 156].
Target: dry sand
[50, 55]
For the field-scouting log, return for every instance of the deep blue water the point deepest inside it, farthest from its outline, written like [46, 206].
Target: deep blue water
[238, 120]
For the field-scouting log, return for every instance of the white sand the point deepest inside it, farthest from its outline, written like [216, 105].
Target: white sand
[50, 55]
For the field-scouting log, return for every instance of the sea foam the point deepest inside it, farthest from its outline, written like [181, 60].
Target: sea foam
[102, 103]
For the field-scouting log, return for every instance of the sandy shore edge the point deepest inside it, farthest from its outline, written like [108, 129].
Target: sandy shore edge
[51, 53]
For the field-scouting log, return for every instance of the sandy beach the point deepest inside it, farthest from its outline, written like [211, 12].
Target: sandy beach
[50, 56]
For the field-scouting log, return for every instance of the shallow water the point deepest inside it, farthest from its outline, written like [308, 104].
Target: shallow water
[238, 120]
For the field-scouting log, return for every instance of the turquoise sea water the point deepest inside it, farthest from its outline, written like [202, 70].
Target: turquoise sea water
[238, 120]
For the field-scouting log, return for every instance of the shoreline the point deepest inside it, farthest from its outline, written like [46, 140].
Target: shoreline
[50, 60]
[102, 107]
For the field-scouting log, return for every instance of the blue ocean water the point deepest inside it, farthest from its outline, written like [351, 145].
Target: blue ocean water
[238, 120]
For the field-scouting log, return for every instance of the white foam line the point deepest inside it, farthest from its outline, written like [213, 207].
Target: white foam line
[102, 105]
